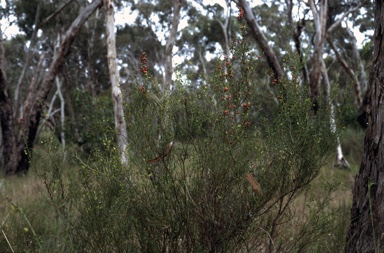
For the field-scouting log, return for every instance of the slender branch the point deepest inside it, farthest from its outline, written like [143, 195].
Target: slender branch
[349, 71]
[47, 19]
[338, 22]
[261, 40]
[26, 63]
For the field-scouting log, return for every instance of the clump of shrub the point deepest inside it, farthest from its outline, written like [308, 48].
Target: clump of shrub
[231, 182]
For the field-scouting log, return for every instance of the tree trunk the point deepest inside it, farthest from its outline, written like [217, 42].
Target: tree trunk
[319, 72]
[357, 60]
[350, 72]
[366, 232]
[6, 117]
[319, 20]
[296, 38]
[261, 41]
[27, 60]
[32, 120]
[117, 96]
[171, 43]
[62, 116]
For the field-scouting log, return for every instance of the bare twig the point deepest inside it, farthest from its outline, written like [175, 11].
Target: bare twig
[9, 244]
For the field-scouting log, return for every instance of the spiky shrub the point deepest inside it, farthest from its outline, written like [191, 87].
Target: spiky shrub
[231, 181]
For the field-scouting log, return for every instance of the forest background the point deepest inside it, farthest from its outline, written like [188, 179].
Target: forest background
[194, 127]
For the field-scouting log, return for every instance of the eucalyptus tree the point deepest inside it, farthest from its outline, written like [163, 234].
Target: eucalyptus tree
[117, 95]
[321, 30]
[18, 150]
[161, 18]
[366, 226]
[204, 40]
[168, 53]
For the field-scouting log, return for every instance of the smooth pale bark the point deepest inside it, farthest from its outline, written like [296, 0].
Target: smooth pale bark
[261, 41]
[35, 106]
[170, 43]
[366, 232]
[341, 161]
[319, 19]
[117, 95]
[62, 116]
[319, 72]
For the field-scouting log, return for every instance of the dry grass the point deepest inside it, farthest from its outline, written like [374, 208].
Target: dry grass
[26, 192]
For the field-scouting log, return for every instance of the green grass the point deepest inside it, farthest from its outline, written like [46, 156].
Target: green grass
[29, 223]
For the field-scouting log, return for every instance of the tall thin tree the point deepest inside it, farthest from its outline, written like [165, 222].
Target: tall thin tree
[170, 43]
[117, 95]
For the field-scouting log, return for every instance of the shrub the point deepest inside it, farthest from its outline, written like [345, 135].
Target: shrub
[230, 183]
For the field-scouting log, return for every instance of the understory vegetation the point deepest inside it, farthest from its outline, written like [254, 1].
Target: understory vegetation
[222, 168]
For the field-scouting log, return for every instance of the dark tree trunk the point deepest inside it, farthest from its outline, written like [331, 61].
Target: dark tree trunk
[366, 232]
[6, 117]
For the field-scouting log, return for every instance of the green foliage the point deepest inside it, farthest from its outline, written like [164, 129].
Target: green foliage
[243, 171]
[94, 125]
[229, 184]
[238, 177]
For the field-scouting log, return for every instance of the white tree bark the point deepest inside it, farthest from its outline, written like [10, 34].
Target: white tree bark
[170, 43]
[62, 116]
[340, 159]
[319, 71]
[117, 95]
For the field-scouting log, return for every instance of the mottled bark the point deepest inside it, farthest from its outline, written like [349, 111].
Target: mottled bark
[117, 95]
[366, 232]
[170, 43]
[319, 20]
